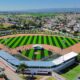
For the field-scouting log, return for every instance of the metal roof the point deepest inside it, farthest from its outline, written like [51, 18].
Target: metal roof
[64, 58]
[11, 59]
[38, 63]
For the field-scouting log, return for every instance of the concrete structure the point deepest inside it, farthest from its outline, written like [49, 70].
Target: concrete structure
[39, 67]
[37, 46]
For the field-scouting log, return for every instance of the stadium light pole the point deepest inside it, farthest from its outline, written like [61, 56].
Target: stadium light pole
[63, 48]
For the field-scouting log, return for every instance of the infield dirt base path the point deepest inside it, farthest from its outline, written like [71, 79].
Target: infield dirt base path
[48, 47]
[74, 48]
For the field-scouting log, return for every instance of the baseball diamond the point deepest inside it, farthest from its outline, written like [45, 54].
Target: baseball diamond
[57, 41]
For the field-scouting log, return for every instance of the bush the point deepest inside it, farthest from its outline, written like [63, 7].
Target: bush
[1, 76]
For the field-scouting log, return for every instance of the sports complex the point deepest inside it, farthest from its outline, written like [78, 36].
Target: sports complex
[41, 53]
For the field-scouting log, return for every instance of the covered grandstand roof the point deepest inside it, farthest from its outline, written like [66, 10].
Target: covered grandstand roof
[9, 58]
[64, 58]
[38, 63]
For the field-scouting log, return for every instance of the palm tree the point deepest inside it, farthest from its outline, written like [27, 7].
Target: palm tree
[22, 67]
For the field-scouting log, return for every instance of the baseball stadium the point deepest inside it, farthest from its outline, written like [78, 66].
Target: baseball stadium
[41, 53]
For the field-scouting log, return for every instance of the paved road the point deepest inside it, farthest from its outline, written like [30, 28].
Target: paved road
[10, 74]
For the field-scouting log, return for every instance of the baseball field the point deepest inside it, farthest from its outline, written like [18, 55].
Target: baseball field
[61, 42]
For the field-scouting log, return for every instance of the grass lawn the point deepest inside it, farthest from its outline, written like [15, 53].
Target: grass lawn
[73, 73]
[39, 14]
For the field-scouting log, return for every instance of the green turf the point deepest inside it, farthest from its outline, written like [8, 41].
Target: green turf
[61, 42]
[11, 43]
[53, 41]
[17, 42]
[26, 41]
[46, 53]
[34, 40]
[66, 41]
[23, 41]
[39, 41]
[38, 56]
[31, 54]
[29, 40]
[56, 42]
[8, 40]
[45, 40]
[24, 52]
[50, 41]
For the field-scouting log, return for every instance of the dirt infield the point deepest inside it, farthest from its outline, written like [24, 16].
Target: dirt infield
[75, 48]
[48, 47]
[9, 50]
[27, 47]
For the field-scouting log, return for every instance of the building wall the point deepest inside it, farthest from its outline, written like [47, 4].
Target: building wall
[56, 69]
[64, 65]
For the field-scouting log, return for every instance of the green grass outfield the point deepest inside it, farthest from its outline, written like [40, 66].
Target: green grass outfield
[60, 42]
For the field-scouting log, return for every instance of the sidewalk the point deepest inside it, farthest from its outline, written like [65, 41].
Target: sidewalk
[9, 73]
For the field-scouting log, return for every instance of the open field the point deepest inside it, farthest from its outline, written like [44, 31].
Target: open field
[38, 14]
[60, 42]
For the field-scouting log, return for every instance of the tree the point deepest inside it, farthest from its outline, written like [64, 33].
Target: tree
[76, 33]
[78, 58]
[22, 67]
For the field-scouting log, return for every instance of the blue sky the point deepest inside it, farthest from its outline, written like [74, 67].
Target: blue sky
[6, 5]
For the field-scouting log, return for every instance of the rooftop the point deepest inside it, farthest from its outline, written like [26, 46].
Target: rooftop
[9, 58]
